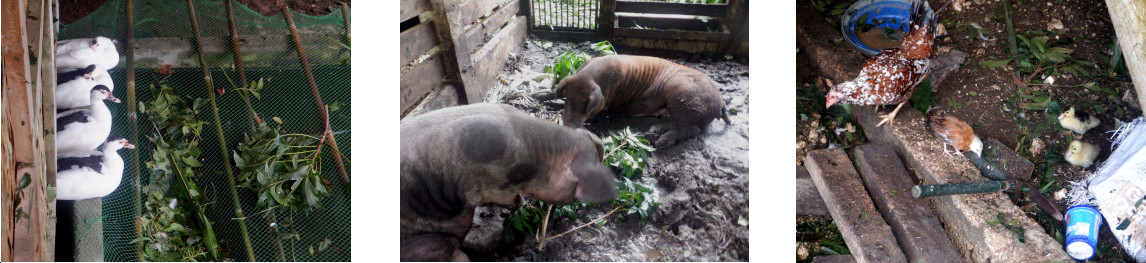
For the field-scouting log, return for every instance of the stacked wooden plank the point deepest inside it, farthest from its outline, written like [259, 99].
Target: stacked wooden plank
[455, 50]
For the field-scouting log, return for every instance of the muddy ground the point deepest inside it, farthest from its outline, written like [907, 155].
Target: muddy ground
[987, 98]
[701, 184]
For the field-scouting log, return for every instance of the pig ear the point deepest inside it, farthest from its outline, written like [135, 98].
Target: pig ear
[594, 181]
[561, 87]
[596, 101]
[596, 142]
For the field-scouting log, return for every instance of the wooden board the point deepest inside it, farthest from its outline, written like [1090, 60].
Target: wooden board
[416, 40]
[411, 8]
[28, 237]
[916, 227]
[468, 12]
[713, 10]
[808, 200]
[487, 61]
[416, 83]
[624, 26]
[475, 35]
[869, 238]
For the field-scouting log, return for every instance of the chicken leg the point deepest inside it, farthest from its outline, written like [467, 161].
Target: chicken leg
[890, 117]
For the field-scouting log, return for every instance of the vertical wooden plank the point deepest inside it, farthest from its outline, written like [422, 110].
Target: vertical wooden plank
[25, 237]
[453, 62]
[45, 84]
[607, 19]
[1130, 26]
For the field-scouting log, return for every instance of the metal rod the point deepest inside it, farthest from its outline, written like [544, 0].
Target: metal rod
[960, 188]
[322, 113]
[222, 140]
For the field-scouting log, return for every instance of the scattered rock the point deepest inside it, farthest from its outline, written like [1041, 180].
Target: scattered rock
[1060, 194]
[940, 30]
[1054, 24]
[1130, 98]
[957, 5]
[944, 49]
[803, 250]
[1037, 146]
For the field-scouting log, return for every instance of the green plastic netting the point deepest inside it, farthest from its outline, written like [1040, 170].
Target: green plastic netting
[163, 35]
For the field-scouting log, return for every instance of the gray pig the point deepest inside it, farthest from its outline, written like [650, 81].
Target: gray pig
[458, 158]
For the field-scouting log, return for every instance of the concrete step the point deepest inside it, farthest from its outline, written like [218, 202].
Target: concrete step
[808, 201]
[863, 228]
[966, 217]
[916, 227]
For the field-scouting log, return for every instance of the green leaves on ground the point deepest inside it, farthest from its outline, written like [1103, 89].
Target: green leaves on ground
[569, 61]
[283, 169]
[626, 152]
[174, 225]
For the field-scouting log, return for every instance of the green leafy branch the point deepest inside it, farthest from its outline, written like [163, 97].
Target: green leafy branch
[634, 196]
[174, 222]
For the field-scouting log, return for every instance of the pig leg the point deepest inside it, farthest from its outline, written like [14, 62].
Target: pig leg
[432, 247]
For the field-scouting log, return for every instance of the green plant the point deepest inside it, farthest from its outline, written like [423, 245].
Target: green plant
[627, 152]
[566, 64]
[175, 204]
[822, 233]
[284, 169]
[841, 126]
[633, 196]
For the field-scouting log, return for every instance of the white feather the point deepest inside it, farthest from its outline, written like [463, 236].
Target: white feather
[85, 136]
[77, 92]
[79, 53]
[78, 183]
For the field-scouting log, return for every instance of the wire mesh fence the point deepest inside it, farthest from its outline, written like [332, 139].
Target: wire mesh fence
[565, 15]
[163, 35]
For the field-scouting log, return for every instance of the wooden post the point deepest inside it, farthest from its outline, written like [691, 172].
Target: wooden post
[27, 234]
[451, 60]
[605, 18]
[1130, 26]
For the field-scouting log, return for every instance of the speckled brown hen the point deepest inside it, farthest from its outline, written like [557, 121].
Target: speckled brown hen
[891, 77]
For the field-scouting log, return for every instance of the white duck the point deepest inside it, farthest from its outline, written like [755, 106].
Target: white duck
[73, 91]
[82, 130]
[91, 175]
[79, 53]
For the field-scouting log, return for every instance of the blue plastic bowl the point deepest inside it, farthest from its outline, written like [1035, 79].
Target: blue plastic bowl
[890, 14]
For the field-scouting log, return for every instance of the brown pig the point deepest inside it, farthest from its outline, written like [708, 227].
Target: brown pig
[643, 86]
[458, 158]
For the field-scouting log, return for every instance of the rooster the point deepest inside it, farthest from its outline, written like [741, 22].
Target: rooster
[891, 77]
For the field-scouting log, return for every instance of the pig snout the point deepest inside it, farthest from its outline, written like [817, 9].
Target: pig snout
[595, 183]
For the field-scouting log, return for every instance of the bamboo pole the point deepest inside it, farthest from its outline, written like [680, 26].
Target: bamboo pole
[133, 122]
[222, 140]
[346, 17]
[239, 62]
[322, 112]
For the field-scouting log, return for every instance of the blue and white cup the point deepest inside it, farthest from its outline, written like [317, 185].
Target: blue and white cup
[1082, 222]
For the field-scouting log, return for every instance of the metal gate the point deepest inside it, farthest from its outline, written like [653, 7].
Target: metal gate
[564, 15]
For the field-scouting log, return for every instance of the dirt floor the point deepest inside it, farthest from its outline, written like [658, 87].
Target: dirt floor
[73, 10]
[988, 98]
[701, 184]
